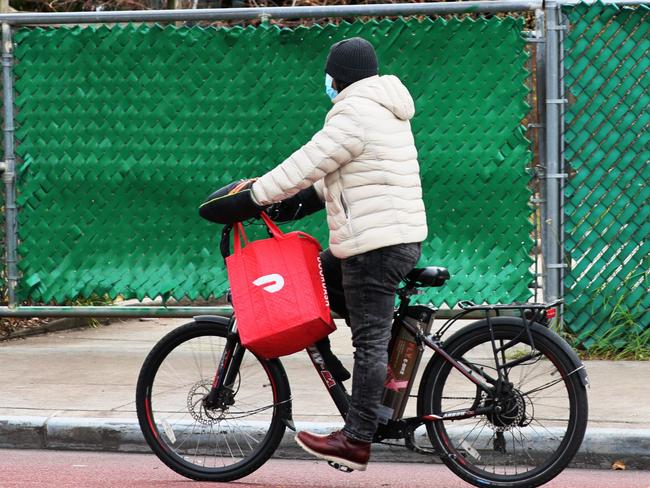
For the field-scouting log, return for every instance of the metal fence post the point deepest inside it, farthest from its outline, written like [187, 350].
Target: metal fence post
[9, 165]
[552, 225]
[562, 26]
[540, 83]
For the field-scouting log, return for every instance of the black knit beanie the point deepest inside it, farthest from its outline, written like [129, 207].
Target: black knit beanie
[351, 60]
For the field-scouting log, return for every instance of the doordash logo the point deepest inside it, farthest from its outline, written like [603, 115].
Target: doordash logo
[275, 282]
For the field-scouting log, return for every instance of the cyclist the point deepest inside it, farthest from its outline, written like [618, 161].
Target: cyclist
[363, 165]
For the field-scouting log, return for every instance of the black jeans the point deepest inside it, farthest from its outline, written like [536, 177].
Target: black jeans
[362, 290]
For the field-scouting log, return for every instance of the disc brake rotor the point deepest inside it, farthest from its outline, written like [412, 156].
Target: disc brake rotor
[512, 413]
[195, 404]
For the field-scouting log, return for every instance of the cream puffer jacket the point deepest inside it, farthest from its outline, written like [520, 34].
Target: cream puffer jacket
[363, 164]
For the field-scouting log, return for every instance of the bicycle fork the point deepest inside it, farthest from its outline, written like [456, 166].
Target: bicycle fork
[222, 392]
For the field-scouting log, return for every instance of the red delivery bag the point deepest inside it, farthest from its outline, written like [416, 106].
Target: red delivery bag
[278, 292]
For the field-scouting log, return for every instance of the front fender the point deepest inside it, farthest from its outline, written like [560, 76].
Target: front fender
[215, 319]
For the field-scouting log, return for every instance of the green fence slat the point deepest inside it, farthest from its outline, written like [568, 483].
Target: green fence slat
[607, 60]
[126, 129]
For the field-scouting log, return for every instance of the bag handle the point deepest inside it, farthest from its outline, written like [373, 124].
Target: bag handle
[276, 232]
[309, 238]
[273, 229]
[239, 230]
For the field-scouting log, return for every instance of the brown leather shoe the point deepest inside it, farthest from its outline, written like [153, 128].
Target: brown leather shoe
[336, 447]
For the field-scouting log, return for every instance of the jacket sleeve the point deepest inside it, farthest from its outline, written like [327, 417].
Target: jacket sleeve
[337, 143]
[319, 186]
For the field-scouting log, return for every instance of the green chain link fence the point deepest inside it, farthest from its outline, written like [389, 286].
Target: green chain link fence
[122, 131]
[607, 59]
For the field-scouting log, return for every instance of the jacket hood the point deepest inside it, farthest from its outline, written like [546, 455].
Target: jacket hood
[386, 90]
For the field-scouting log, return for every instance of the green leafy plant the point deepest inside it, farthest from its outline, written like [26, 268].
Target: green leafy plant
[627, 338]
[620, 342]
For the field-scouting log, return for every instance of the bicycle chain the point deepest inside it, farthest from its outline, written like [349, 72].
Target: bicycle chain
[521, 408]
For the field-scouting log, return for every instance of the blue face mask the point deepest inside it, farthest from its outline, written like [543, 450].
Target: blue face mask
[331, 92]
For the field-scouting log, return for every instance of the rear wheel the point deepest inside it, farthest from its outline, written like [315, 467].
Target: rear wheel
[210, 444]
[535, 419]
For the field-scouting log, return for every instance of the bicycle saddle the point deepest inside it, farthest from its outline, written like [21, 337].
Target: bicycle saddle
[429, 276]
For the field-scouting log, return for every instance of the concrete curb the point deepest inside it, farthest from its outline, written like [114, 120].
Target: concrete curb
[600, 448]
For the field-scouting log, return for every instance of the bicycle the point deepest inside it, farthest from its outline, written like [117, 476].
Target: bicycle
[503, 400]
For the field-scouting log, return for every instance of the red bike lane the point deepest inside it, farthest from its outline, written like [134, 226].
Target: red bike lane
[76, 469]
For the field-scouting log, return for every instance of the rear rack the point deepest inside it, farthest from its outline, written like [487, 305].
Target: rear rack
[469, 306]
[529, 313]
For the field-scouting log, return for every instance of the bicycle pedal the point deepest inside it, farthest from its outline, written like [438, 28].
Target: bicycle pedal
[340, 467]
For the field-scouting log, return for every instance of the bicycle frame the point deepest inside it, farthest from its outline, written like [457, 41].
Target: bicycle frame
[220, 394]
[402, 427]
[395, 429]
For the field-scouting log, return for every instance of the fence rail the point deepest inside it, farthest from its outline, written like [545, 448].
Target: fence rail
[189, 15]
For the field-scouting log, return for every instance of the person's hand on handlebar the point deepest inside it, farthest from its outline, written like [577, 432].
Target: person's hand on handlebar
[303, 203]
[231, 203]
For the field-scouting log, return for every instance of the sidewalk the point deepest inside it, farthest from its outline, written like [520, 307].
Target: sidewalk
[75, 390]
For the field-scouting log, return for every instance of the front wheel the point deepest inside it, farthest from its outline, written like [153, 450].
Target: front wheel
[532, 421]
[209, 444]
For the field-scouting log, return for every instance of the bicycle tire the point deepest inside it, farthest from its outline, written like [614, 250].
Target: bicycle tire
[467, 446]
[159, 404]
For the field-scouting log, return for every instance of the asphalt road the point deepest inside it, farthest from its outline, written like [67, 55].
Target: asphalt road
[67, 469]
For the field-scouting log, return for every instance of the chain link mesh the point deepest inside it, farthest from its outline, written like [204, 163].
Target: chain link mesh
[607, 151]
[124, 130]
